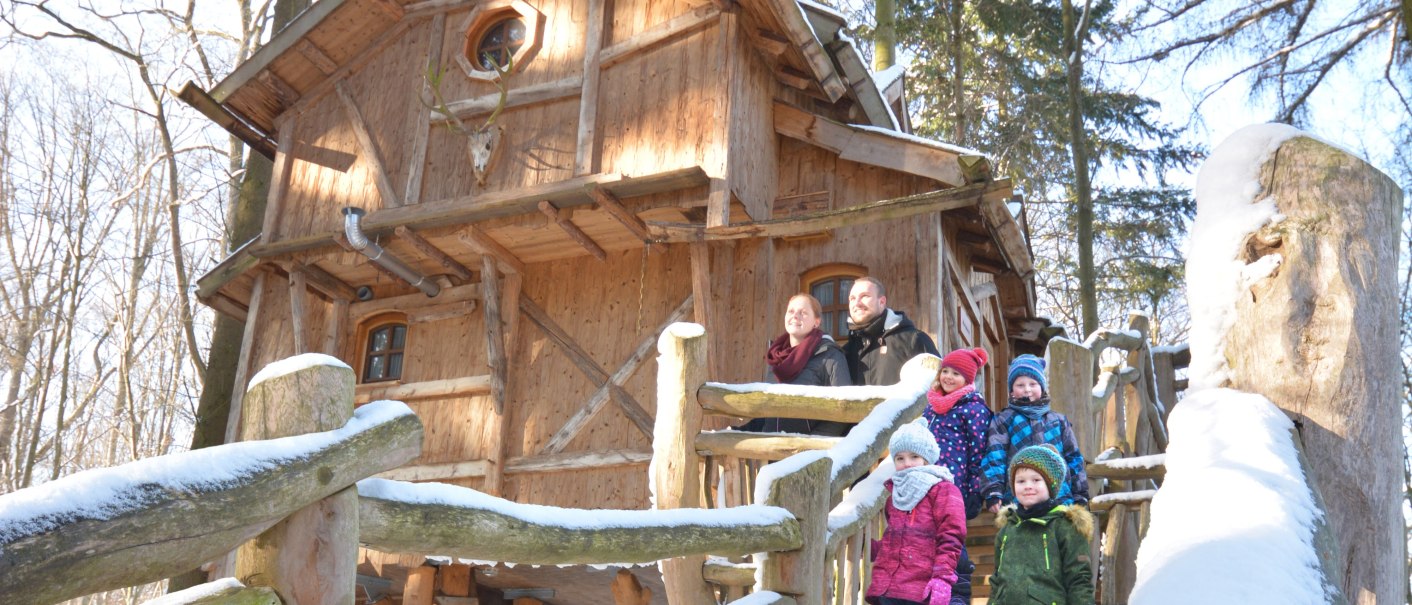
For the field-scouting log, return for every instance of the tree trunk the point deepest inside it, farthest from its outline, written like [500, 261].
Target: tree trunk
[1319, 338]
[1075, 30]
[885, 36]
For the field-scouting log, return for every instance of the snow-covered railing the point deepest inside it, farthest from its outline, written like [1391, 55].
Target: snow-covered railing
[1118, 403]
[809, 479]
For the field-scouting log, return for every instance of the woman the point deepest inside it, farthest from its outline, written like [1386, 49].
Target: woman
[804, 355]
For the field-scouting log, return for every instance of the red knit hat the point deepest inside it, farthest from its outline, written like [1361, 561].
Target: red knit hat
[966, 362]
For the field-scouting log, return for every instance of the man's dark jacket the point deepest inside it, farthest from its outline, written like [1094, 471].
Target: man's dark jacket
[877, 351]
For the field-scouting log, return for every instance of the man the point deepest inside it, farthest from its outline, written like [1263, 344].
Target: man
[880, 340]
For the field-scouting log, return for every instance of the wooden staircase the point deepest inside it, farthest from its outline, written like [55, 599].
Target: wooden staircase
[980, 544]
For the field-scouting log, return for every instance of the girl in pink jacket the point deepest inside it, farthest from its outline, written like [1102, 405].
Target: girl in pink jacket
[915, 561]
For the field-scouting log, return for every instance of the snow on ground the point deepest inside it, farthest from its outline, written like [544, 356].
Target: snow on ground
[106, 493]
[1227, 211]
[1234, 520]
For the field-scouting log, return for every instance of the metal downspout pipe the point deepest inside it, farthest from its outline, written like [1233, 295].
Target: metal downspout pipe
[352, 218]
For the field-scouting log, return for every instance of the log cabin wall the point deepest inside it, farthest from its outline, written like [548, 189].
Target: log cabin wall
[679, 102]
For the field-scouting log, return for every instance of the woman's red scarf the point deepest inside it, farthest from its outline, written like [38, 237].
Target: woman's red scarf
[786, 361]
[942, 403]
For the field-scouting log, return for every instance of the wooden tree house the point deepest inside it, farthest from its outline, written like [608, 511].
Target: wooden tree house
[656, 161]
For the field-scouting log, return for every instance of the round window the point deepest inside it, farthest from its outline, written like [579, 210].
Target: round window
[499, 43]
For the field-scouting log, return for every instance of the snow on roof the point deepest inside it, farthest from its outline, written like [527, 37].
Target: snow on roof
[106, 493]
[823, 8]
[1234, 521]
[956, 149]
[1229, 206]
[571, 518]
[887, 77]
[290, 365]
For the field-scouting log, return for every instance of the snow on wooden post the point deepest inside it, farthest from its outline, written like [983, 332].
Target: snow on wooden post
[311, 557]
[800, 485]
[1318, 335]
[675, 471]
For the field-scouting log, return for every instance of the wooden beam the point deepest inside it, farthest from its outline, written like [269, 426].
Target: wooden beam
[801, 34]
[494, 331]
[691, 21]
[757, 404]
[472, 208]
[447, 388]
[421, 586]
[524, 96]
[612, 385]
[757, 446]
[279, 179]
[247, 351]
[298, 292]
[407, 302]
[323, 282]
[575, 461]
[572, 230]
[430, 251]
[228, 306]
[1153, 466]
[871, 147]
[771, 43]
[585, 149]
[336, 328]
[367, 145]
[1006, 231]
[421, 132]
[470, 469]
[793, 78]
[609, 202]
[912, 205]
[441, 311]
[456, 580]
[390, 8]
[197, 98]
[483, 244]
[316, 56]
[701, 282]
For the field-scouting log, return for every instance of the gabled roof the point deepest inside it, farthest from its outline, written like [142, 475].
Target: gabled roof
[332, 37]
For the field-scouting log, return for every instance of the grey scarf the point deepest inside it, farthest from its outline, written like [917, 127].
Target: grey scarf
[909, 486]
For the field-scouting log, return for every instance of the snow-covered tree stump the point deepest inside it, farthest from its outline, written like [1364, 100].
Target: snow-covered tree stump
[311, 557]
[1318, 336]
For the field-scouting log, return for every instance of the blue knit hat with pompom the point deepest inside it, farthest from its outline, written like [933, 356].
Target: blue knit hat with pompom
[1027, 365]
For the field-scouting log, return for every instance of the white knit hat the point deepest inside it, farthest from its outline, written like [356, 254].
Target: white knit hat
[916, 438]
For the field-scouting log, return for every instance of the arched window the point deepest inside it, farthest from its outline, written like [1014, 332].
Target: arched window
[830, 284]
[383, 350]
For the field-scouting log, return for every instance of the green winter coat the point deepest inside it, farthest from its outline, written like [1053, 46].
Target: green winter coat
[1044, 560]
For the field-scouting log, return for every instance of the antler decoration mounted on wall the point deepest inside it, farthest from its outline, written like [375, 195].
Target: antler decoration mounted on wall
[482, 142]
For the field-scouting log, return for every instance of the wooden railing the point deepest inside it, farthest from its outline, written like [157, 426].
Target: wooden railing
[1117, 391]
[816, 479]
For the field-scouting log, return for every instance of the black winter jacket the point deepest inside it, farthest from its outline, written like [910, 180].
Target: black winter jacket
[827, 367]
[877, 351]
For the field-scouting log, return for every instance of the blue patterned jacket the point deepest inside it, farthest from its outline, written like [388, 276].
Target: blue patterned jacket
[1010, 431]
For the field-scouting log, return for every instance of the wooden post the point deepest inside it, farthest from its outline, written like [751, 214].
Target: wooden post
[421, 586]
[1112, 592]
[1071, 389]
[494, 339]
[298, 295]
[1319, 338]
[311, 557]
[805, 494]
[628, 591]
[676, 474]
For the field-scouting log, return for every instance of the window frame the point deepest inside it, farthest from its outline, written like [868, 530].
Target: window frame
[366, 330]
[832, 271]
[482, 19]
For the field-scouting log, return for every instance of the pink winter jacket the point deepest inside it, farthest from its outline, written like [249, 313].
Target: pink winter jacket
[919, 545]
